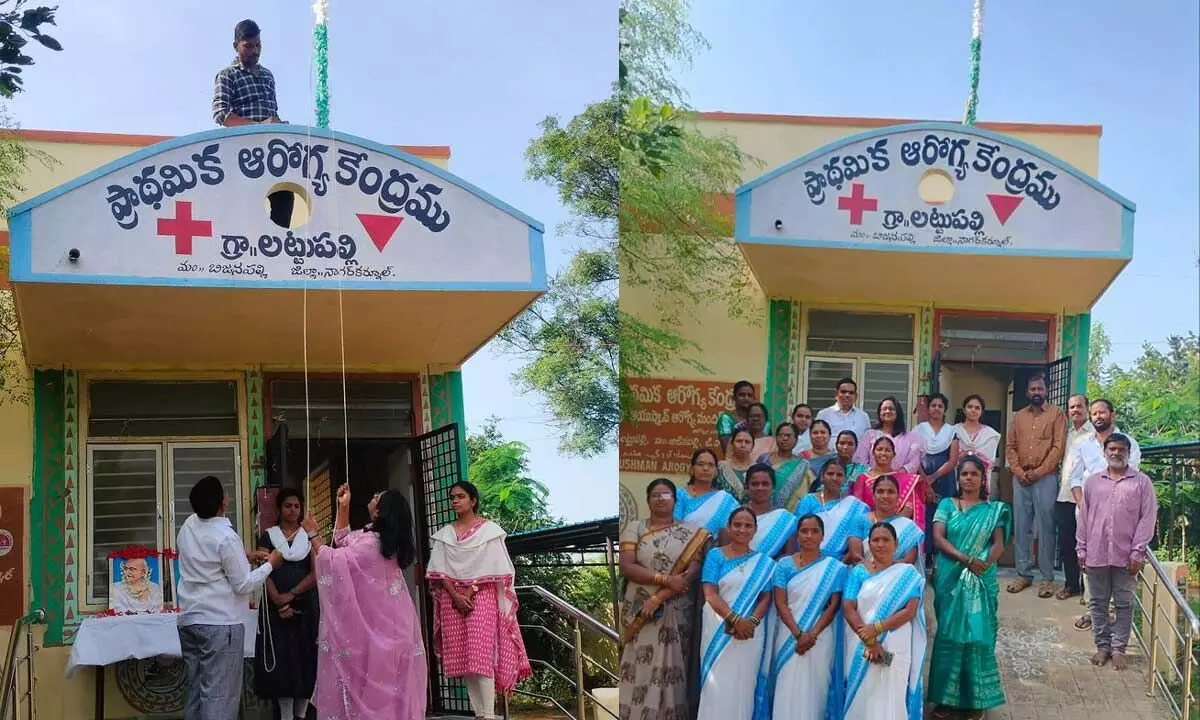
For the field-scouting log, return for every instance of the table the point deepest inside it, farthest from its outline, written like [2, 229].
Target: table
[103, 641]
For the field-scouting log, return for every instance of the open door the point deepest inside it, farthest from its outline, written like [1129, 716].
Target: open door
[438, 467]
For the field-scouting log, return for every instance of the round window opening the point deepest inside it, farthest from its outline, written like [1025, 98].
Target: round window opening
[936, 187]
[287, 205]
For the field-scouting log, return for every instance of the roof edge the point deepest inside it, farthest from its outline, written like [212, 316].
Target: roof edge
[81, 137]
[865, 122]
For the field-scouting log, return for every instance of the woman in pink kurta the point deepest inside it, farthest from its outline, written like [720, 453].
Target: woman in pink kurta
[889, 423]
[371, 661]
[912, 488]
[475, 632]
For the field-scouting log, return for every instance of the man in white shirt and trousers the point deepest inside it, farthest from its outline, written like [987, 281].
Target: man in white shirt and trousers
[215, 584]
[1078, 426]
[1085, 457]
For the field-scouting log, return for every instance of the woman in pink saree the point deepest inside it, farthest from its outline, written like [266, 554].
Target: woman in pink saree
[912, 488]
[475, 632]
[371, 661]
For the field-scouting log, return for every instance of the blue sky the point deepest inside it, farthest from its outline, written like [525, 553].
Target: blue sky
[477, 76]
[1130, 67]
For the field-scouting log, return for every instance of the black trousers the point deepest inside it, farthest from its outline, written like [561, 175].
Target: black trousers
[1064, 516]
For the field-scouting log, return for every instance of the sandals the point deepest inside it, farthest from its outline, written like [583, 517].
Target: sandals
[1065, 594]
[1045, 590]
[1018, 585]
[1084, 623]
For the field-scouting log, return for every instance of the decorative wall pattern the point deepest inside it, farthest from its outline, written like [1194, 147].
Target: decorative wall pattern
[438, 403]
[925, 351]
[47, 512]
[71, 462]
[780, 362]
[255, 429]
[793, 365]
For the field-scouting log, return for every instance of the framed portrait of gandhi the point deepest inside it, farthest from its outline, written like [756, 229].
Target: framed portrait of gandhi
[135, 581]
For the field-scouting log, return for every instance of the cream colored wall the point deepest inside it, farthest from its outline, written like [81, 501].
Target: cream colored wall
[773, 144]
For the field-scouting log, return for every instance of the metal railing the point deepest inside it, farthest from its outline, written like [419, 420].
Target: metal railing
[15, 697]
[1170, 640]
[580, 622]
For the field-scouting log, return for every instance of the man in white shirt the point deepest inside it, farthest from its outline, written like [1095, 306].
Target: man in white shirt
[215, 583]
[1078, 426]
[843, 415]
[1085, 457]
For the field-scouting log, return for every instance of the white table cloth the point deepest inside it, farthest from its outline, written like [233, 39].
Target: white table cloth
[108, 640]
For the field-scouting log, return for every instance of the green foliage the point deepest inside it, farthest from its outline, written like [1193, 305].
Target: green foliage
[641, 185]
[509, 496]
[1157, 401]
[18, 25]
[1158, 398]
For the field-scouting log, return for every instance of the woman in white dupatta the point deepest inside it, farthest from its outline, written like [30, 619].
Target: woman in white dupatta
[843, 517]
[700, 502]
[806, 659]
[885, 635]
[975, 438]
[736, 585]
[776, 527]
[475, 631]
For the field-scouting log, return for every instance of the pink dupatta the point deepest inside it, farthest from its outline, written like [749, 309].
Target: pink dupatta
[479, 556]
[371, 660]
[911, 494]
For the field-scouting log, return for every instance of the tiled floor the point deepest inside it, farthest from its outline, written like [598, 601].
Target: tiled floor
[1046, 668]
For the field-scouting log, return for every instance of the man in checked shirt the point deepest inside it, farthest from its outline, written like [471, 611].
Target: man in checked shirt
[244, 94]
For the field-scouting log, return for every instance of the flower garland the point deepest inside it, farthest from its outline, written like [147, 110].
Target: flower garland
[133, 552]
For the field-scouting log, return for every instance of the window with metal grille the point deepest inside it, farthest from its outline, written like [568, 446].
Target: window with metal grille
[373, 409]
[138, 496]
[853, 333]
[153, 409]
[876, 380]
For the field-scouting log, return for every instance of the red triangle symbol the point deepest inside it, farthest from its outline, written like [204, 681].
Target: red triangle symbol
[380, 228]
[1004, 205]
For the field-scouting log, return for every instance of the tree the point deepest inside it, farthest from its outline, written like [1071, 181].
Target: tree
[1158, 398]
[642, 185]
[507, 494]
[18, 25]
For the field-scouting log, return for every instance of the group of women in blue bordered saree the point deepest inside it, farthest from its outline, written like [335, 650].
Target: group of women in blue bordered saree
[815, 613]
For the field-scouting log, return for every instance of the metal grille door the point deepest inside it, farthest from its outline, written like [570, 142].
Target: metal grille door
[438, 467]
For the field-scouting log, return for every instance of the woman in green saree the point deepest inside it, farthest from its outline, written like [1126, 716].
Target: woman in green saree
[970, 533]
[793, 477]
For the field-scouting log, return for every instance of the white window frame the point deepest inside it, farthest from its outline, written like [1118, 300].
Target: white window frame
[168, 481]
[859, 376]
[165, 467]
[89, 567]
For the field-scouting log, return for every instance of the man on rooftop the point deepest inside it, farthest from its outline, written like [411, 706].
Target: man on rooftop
[244, 94]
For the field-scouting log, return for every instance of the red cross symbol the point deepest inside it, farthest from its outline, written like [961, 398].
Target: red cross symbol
[857, 203]
[183, 228]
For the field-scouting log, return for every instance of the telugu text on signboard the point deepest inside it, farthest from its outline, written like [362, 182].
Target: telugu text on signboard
[673, 418]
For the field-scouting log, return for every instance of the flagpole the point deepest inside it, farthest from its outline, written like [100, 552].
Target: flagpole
[321, 56]
[976, 50]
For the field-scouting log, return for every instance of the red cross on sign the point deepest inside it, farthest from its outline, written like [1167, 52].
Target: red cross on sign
[858, 203]
[183, 228]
